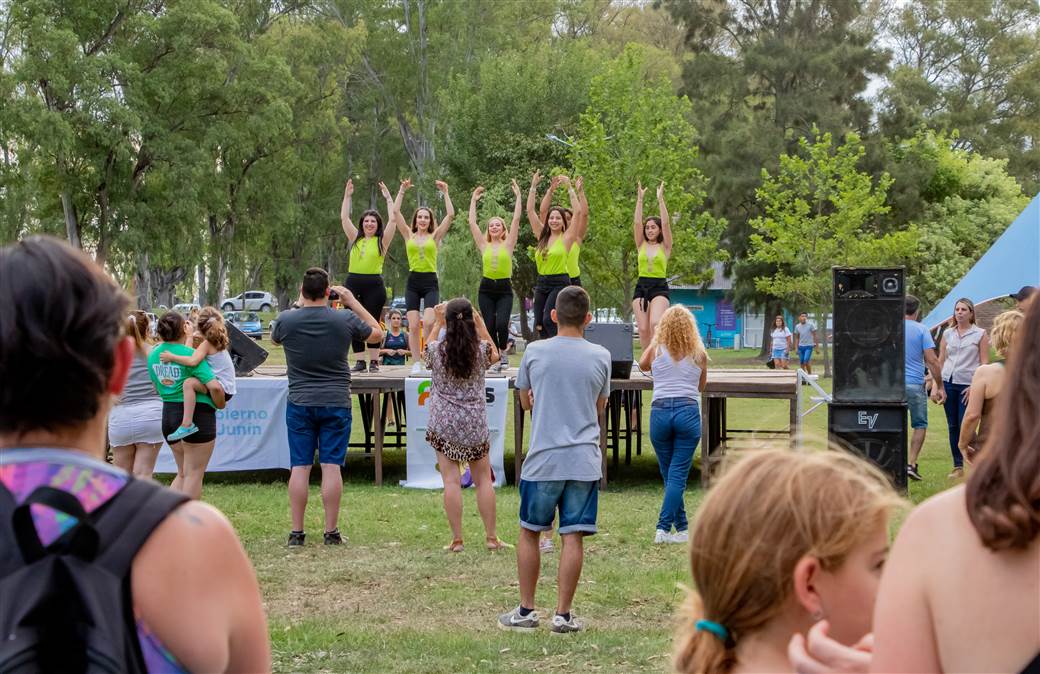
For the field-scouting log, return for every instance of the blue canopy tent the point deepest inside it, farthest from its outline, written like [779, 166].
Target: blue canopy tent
[1011, 262]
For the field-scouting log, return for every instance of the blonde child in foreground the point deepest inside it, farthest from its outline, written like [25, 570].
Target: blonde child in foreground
[784, 541]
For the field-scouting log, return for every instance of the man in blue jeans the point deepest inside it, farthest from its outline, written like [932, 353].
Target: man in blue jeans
[565, 382]
[920, 352]
[317, 341]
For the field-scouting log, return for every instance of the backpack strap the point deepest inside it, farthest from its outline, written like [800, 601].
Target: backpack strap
[81, 540]
[129, 519]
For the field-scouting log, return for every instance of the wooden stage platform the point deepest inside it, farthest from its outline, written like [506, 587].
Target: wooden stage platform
[378, 393]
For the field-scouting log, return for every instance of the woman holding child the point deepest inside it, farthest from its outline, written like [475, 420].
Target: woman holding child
[169, 379]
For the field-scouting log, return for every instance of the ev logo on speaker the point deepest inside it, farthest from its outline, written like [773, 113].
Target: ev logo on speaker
[868, 420]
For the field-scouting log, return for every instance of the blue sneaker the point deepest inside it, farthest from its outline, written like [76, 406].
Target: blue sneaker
[182, 432]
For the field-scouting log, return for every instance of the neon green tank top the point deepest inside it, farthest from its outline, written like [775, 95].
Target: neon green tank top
[573, 270]
[656, 268]
[498, 263]
[422, 257]
[365, 257]
[554, 261]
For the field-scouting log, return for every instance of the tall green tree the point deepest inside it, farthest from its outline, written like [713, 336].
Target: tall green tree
[819, 211]
[636, 129]
[761, 75]
[972, 68]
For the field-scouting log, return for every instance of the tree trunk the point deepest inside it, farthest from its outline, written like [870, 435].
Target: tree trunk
[200, 275]
[71, 223]
[143, 282]
[773, 309]
[164, 281]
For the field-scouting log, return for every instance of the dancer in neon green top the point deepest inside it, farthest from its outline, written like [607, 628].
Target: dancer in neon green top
[367, 251]
[653, 237]
[495, 297]
[421, 242]
[555, 237]
[580, 223]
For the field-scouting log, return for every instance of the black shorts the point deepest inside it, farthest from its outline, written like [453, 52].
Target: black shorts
[421, 287]
[648, 288]
[576, 281]
[495, 287]
[370, 292]
[205, 418]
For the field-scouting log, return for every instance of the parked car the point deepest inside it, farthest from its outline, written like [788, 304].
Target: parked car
[186, 308]
[253, 300]
[246, 321]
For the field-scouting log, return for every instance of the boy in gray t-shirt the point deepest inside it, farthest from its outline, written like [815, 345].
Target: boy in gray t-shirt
[565, 382]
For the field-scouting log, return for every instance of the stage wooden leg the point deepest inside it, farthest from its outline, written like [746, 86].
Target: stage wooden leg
[377, 422]
[795, 423]
[706, 427]
[518, 436]
[603, 449]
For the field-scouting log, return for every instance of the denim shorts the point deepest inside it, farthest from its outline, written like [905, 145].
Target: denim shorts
[917, 403]
[779, 354]
[577, 500]
[804, 354]
[326, 429]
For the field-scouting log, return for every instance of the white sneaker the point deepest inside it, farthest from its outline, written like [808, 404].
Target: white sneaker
[662, 536]
[545, 545]
[681, 537]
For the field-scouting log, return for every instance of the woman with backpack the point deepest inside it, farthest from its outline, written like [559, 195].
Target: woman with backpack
[119, 609]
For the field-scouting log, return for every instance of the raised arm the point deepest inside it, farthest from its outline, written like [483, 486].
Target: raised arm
[402, 226]
[649, 353]
[344, 212]
[474, 228]
[637, 218]
[581, 212]
[546, 204]
[449, 212]
[666, 229]
[391, 214]
[514, 226]
[573, 233]
[532, 215]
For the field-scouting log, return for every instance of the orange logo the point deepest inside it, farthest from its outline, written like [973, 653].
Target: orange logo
[424, 392]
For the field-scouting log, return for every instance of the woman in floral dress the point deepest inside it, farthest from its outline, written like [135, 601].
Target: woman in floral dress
[457, 426]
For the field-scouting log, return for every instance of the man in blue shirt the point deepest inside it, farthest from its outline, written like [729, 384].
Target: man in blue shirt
[920, 352]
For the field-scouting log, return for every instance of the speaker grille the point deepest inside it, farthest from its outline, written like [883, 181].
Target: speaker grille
[868, 335]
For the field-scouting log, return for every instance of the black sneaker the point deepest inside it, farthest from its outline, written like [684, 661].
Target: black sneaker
[333, 537]
[296, 538]
[359, 366]
[373, 366]
[911, 472]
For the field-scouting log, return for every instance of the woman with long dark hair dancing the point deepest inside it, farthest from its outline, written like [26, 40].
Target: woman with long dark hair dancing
[579, 219]
[653, 237]
[421, 241]
[457, 428]
[556, 238]
[367, 252]
[496, 246]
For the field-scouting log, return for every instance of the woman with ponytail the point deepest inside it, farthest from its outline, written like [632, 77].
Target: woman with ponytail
[556, 240]
[962, 589]
[135, 422]
[457, 427]
[783, 540]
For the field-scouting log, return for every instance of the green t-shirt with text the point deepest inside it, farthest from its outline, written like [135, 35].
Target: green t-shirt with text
[169, 377]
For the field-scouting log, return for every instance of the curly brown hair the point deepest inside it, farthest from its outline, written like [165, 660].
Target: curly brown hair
[211, 326]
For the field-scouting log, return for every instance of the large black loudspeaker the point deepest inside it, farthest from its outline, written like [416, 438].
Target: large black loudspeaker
[868, 335]
[617, 339]
[246, 354]
[875, 432]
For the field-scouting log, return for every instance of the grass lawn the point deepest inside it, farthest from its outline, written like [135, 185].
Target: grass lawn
[392, 600]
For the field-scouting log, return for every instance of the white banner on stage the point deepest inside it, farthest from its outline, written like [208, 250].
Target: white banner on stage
[251, 432]
[422, 459]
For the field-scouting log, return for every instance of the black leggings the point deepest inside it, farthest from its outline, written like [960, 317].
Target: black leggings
[371, 294]
[495, 300]
[545, 292]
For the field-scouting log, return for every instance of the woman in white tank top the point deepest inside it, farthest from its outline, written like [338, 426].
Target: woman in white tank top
[679, 364]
